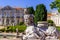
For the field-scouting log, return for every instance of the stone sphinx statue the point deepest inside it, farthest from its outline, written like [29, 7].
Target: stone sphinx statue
[35, 33]
[52, 33]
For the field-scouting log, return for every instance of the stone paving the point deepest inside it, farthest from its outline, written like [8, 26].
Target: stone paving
[21, 39]
[10, 39]
[9, 36]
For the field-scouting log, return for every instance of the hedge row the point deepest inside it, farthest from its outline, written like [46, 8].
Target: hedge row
[21, 28]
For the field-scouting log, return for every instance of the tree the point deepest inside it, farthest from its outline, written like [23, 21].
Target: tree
[30, 10]
[40, 13]
[55, 4]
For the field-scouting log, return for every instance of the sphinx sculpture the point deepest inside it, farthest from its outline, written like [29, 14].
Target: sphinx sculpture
[34, 33]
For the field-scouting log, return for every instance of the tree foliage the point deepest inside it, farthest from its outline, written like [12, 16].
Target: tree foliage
[55, 4]
[30, 10]
[40, 13]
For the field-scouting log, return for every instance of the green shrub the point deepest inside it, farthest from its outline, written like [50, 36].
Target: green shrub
[2, 30]
[11, 29]
[50, 22]
[21, 23]
[21, 28]
[58, 28]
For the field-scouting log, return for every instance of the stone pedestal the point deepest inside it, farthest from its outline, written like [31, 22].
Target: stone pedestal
[42, 24]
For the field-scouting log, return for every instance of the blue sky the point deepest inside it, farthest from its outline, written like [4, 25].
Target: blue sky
[26, 3]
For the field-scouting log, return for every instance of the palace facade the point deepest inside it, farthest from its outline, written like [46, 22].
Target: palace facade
[11, 16]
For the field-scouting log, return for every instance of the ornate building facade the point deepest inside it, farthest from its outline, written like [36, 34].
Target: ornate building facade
[10, 15]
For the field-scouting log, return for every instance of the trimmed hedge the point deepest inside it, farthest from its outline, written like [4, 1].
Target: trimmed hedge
[21, 28]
